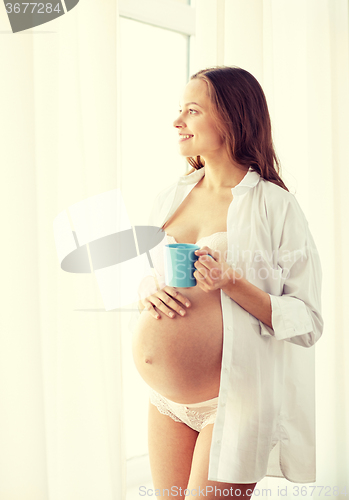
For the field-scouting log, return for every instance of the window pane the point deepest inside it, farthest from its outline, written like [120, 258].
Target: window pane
[153, 73]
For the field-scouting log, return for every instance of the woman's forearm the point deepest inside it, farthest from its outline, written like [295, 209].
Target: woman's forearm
[250, 297]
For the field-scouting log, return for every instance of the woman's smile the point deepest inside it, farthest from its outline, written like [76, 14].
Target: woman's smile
[184, 137]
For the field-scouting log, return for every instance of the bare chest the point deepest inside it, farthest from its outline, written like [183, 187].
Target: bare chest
[199, 215]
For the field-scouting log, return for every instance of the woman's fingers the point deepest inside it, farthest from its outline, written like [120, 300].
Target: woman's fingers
[178, 296]
[150, 307]
[169, 304]
[163, 301]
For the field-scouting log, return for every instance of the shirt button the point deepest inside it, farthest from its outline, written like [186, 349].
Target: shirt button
[218, 441]
[230, 327]
[223, 405]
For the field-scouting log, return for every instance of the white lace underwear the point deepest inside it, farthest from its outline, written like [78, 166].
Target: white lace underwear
[196, 415]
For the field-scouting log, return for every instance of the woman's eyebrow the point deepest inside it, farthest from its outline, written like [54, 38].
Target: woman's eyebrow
[188, 103]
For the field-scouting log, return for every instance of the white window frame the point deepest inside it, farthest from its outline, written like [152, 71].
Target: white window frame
[166, 14]
[181, 18]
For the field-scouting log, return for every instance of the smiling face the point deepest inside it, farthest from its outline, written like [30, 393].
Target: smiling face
[198, 134]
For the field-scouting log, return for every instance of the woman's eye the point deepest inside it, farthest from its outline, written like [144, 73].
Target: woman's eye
[191, 111]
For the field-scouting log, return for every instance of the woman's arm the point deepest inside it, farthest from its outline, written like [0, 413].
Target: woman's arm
[295, 315]
[250, 297]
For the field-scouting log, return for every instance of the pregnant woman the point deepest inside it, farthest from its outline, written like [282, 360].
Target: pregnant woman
[230, 362]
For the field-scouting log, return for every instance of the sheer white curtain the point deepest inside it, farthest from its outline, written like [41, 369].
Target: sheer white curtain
[298, 51]
[60, 356]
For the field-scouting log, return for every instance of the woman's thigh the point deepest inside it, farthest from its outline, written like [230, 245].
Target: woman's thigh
[171, 446]
[199, 474]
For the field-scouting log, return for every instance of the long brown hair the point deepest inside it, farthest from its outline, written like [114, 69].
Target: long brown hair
[242, 117]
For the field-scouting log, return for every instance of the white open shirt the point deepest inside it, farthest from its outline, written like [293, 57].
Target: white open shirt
[265, 422]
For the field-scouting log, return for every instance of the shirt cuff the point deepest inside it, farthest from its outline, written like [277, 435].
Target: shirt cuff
[289, 318]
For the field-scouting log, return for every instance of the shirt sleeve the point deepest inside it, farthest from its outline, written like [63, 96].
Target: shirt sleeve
[296, 313]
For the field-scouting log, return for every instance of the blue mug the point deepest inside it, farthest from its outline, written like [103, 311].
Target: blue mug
[179, 264]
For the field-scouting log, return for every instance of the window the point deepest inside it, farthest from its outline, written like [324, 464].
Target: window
[155, 41]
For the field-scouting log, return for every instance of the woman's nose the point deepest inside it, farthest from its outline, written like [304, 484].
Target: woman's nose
[178, 122]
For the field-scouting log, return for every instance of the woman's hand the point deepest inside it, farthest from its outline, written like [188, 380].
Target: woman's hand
[211, 274]
[163, 301]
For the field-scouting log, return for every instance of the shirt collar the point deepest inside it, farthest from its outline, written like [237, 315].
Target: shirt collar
[193, 177]
[250, 180]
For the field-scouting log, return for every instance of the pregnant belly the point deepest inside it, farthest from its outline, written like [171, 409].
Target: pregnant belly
[181, 357]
